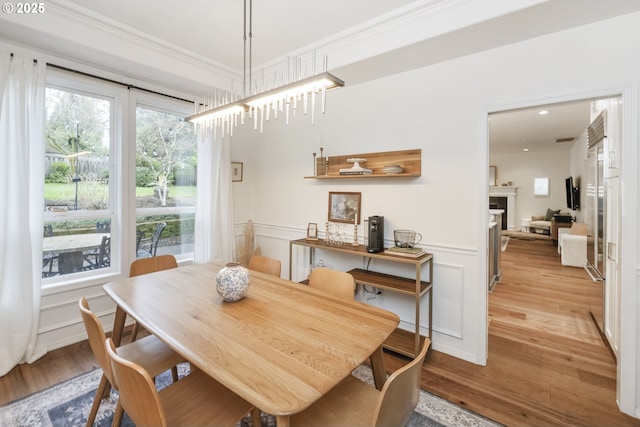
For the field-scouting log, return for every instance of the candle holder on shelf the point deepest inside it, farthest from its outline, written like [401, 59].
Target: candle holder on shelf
[355, 234]
[320, 163]
[314, 163]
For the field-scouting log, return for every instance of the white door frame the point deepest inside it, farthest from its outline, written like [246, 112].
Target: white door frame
[627, 369]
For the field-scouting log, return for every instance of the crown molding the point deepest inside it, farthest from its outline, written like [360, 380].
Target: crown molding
[405, 26]
[105, 42]
[108, 44]
[81, 15]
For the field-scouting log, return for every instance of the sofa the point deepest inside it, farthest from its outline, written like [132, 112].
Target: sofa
[541, 224]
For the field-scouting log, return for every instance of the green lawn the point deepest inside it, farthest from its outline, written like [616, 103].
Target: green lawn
[61, 192]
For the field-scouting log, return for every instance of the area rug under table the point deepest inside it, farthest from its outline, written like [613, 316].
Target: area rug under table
[68, 404]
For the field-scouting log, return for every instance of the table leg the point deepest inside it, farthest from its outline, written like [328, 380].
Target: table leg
[283, 420]
[118, 326]
[377, 368]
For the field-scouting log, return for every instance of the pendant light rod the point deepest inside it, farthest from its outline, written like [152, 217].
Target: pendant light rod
[246, 90]
[226, 110]
[250, 42]
[244, 50]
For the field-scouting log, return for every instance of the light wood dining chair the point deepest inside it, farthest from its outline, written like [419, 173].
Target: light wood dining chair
[353, 402]
[149, 265]
[150, 352]
[334, 282]
[266, 265]
[195, 400]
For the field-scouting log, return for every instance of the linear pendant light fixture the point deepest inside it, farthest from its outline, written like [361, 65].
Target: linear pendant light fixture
[225, 111]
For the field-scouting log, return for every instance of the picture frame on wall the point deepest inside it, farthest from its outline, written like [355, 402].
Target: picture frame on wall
[541, 186]
[236, 171]
[344, 207]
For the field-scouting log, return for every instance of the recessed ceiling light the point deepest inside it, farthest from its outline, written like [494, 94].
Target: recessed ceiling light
[525, 149]
[543, 112]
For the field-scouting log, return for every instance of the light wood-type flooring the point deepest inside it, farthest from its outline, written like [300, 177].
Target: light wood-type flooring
[548, 365]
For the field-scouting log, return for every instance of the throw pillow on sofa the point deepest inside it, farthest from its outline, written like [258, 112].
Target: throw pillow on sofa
[550, 214]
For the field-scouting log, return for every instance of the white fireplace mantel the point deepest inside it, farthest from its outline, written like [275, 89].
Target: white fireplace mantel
[510, 194]
[502, 191]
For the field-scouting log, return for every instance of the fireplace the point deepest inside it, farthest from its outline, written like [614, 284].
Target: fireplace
[510, 210]
[500, 203]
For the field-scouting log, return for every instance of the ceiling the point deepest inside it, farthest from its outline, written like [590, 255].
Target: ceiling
[513, 131]
[214, 29]
[397, 36]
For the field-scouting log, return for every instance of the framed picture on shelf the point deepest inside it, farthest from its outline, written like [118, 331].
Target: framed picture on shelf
[344, 207]
[236, 171]
[312, 231]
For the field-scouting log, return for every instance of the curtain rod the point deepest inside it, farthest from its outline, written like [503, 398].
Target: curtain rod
[128, 86]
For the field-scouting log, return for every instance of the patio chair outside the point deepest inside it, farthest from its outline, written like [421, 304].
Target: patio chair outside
[49, 259]
[147, 248]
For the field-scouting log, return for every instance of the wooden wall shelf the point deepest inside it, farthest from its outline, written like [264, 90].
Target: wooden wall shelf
[409, 160]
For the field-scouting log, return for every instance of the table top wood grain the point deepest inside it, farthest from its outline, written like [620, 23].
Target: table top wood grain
[281, 347]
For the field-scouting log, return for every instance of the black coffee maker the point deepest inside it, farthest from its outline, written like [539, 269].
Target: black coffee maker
[375, 234]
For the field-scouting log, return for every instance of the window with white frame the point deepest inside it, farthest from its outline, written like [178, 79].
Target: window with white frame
[79, 207]
[166, 165]
[106, 200]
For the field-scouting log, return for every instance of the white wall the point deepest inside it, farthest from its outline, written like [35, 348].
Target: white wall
[522, 168]
[439, 109]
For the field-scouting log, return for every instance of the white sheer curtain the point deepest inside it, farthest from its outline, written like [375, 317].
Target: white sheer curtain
[22, 147]
[214, 223]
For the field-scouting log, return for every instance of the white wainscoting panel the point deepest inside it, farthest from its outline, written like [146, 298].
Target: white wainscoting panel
[448, 287]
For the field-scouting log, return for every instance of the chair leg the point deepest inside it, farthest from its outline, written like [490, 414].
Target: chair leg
[117, 415]
[96, 400]
[51, 268]
[134, 333]
[256, 419]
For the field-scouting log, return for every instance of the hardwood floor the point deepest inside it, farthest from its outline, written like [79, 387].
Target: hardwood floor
[548, 365]
[56, 366]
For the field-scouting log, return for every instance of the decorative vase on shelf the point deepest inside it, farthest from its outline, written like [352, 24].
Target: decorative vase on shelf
[232, 282]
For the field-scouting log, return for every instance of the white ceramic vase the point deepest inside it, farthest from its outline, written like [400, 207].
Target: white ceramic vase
[232, 282]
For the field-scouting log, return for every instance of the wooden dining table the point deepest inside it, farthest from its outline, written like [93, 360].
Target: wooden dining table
[281, 347]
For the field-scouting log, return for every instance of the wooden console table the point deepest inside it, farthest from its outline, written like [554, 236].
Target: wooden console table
[401, 341]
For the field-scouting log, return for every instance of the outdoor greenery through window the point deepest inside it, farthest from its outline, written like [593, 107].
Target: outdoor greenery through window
[166, 165]
[92, 169]
[77, 194]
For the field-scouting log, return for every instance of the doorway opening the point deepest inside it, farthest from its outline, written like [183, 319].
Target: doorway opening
[551, 141]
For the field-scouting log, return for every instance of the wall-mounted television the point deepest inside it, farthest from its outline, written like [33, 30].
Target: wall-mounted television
[573, 194]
